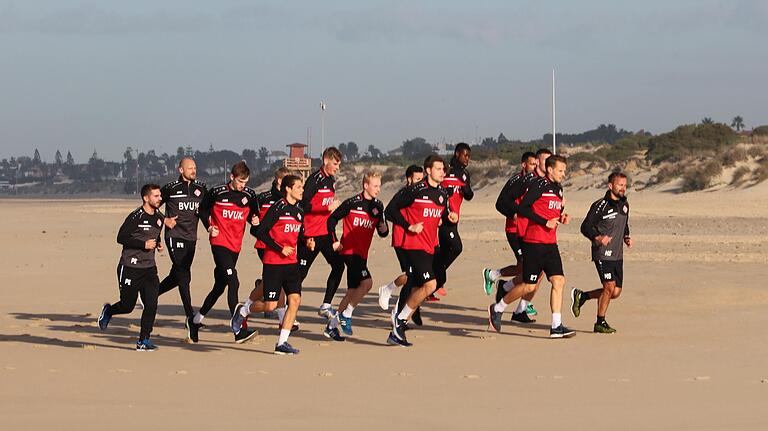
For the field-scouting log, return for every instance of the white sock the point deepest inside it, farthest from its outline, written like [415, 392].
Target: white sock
[284, 333]
[500, 306]
[245, 311]
[405, 313]
[348, 311]
[281, 314]
[334, 322]
[198, 318]
[495, 274]
[248, 304]
[556, 320]
[521, 306]
[508, 285]
[325, 305]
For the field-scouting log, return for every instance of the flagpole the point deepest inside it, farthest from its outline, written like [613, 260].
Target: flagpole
[554, 130]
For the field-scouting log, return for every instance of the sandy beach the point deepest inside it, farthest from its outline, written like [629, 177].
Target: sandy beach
[689, 354]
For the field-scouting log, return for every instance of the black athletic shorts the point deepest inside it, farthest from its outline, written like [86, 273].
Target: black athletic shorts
[284, 276]
[357, 270]
[420, 266]
[400, 253]
[515, 245]
[538, 258]
[610, 270]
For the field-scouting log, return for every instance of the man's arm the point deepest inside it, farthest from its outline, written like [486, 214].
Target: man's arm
[204, 209]
[124, 234]
[382, 228]
[506, 202]
[262, 232]
[310, 189]
[398, 202]
[466, 189]
[589, 225]
[526, 206]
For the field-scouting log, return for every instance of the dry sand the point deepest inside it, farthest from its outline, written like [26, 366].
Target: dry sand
[690, 352]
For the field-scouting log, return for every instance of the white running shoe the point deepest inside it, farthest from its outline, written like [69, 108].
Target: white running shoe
[384, 295]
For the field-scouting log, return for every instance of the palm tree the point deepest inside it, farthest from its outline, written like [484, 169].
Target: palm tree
[737, 123]
[707, 120]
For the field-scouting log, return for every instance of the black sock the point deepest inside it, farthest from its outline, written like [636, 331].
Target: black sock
[600, 319]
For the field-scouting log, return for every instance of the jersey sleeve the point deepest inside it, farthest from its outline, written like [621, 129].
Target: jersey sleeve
[526, 206]
[310, 189]
[398, 202]
[262, 232]
[466, 189]
[204, 209]
[382, 228]
[165, 193]
[589, 225]
[336, 216]
[124, 234]
[506, 202]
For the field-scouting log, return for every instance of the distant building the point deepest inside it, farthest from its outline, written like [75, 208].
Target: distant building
[297, 159]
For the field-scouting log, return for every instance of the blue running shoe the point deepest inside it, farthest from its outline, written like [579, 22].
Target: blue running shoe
[494, 318]
[333, 334]
[286, 349]
[393, 340]
[145, 345]
[346, 324]
[104, 317]
[236, 322]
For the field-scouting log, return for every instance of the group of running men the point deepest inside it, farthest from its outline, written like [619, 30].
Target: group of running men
[296, 220]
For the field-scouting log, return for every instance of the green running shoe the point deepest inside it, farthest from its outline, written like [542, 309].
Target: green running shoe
[577, 300]
[603, 328]
[487, 281]
[529, 310]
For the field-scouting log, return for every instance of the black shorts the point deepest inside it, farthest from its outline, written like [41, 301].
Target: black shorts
[610, 270]
[276, 277]
[400, 253]
[357, 270]
[538, 258]
[420, 266]
[516, 245]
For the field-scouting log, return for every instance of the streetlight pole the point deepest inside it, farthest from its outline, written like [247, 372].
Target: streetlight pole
[554, 130]
[322, 126]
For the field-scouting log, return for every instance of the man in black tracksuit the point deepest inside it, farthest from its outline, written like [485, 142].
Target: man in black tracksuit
[137, 272]
[607, 227]
[182, 199]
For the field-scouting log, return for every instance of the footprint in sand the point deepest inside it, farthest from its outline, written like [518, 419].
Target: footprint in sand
[9, 368]
[180, 372]
[325, 374]
[621, 380]
[557, 377]
[257, 372]
[89, 347]
[487, 337]
[470, 376]
[122, 370]
[761, 381]
[403, 374]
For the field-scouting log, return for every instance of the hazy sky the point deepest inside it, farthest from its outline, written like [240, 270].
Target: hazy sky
[75, 75]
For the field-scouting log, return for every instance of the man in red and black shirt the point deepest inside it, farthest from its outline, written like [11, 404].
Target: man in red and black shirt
[542, 211]
[360, 216]
[419, 210]
[224, 211]
[456, 179]
[281, 230]
[413, 175]
[318, 203]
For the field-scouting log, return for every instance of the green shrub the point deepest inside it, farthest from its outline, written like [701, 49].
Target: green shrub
[689, 140]
[734, 155]
[760, 131]
[700, 177]
[739, 175]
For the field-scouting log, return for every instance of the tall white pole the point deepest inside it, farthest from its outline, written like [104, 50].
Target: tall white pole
[554, 129]
[322, 127]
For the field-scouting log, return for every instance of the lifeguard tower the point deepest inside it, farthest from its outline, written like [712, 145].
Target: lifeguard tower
[297, 160]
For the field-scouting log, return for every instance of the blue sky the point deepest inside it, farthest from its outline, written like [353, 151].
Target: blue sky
[160, 74]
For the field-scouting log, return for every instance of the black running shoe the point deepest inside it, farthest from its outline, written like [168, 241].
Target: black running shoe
[244, 335]
[561, 332]
[522, 318]
[104, 317]
[416, 317]
[145, 345]
[500, 292]
[393, 340]
[494, 318]
[333, 334]
[603, 327]
[286, 349]
[193, 329]
[399, 330]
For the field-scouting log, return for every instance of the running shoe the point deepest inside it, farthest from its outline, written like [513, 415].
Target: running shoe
[145, 345]
[577, 300]
[384, 295]
[522, 317]
[326, 312]
[346, 325]
[500, 292]
[244, 335]
[603, 328]
[441, 291]
[399, 330]
[487, 281]
[494, 318]
[193, 329]
[393, 340]
[432, 298]
[530, 310]
[561, 332]
[286, 349]
[236, 322]
[416, 317]
[296, 326]
[333, 334]
[104, 317]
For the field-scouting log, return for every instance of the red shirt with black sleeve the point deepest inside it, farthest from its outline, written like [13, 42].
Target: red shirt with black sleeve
[521, 223]
[360, 218]
[228, 210]
[542, 202]
[319, 191]
[264, 201]
[457, 180]
[419, 203]
[283, 226]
